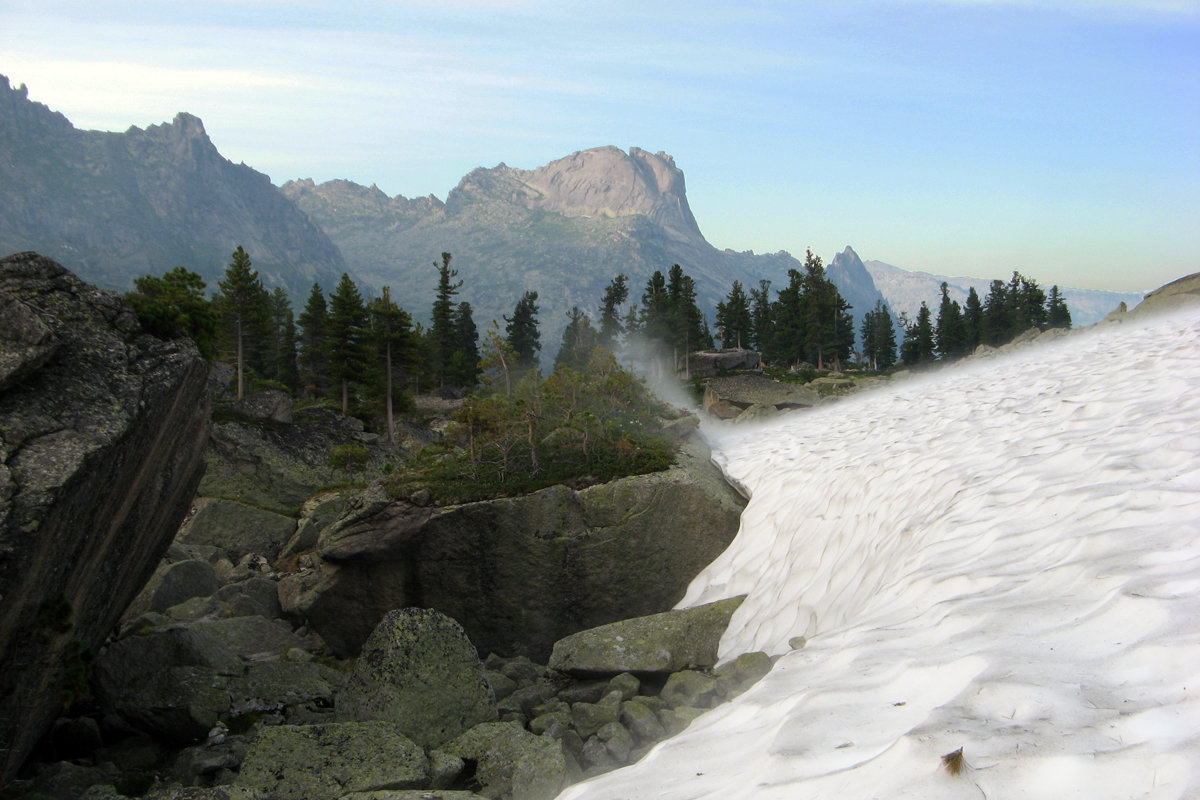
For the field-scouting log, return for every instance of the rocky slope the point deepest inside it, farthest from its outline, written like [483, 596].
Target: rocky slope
[564, 229]
[101, 432]
[114, 206]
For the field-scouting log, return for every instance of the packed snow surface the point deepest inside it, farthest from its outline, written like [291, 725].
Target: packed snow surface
[1003, 557]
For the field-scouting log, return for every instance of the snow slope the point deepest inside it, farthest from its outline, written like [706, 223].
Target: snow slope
[1002, 557]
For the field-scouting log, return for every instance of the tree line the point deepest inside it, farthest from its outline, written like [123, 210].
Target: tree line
[369, 354]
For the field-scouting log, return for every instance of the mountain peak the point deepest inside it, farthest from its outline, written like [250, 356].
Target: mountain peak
[599, 182]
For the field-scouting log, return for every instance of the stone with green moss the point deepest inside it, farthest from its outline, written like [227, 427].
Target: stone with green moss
[327, 761]
[512, 762]
[656, 644]
[418, 671]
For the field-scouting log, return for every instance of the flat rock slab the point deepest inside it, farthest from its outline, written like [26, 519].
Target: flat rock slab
[656, 644]
[325, 762]
[237, 528]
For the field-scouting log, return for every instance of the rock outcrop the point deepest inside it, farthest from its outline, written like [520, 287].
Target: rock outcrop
[101, 435]
[520, 573]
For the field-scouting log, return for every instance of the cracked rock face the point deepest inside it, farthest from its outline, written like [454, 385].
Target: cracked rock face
[101, 432]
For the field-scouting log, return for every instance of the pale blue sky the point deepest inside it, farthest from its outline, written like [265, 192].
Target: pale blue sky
[968, 137]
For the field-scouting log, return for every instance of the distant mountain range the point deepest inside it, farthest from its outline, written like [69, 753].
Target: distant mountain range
[114, 206]
[907, 289]
[564, 230]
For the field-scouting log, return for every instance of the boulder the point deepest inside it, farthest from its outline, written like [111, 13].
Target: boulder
[706, 363]
[173, 583]
[101, 434]
[271, 405]
[272, 686]
[237, 529]
[656, 644]
[512, 762]
[419, 672]
[169, 684]
[327, 761]
[744, 391]
[553, 562]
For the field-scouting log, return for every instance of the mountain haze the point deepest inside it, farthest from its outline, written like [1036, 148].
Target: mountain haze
[564, 230]
[115, 206]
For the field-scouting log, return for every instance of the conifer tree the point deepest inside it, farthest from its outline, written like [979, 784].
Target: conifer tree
[174, 305]
[733, 317]
[313, 347]
[654, 321]
[879, 337]
[950, 332]
[972, 321]
[391, 333]
[522, 332]
[760, 316]
[997, 318]
[788, 322]
[1057, 313]
[615, 294]
[443, 336]
[347, 337]
[918, 347]
[243, 305]
[283, 357]
[578, 340]
[464, 361]
[687, 329]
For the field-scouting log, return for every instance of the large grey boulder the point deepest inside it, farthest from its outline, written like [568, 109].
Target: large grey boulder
[743, 391]
[101, 434]
[327, 761]
[655, 644]
[170, 684]
[553, 562]
[418, 671]
[512, 762]
[237, 528]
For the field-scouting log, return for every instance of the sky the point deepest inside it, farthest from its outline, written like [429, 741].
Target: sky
[1060, 138]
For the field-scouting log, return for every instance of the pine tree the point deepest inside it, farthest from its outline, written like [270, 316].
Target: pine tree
[733, 317]
[174, 306]
[522, 332]
[314, 344]
[950, 332]
[243, 305]
[616, 293]
[687, 329]
[786, 342]
[347, 337]
[578, 341]
[760, 316]
[918, 347]
[972, 321]
[283, 341]
[885, 337]
[391, 333]
[1057, 313]
[997, 318]
[442, 334]
[464, 361]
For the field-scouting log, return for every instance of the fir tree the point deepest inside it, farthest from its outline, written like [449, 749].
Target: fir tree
[997, 317]
[615, 294]
[950, 332]
[243, 305]
[522, 332]
[972, 321]
[918, 345]
[347, 337]
[733, 317]
[283, 351]
[443, 337]
[760, 316]
[391, 333]
[464, 361]
[174, 306]
[1057, 313]
[314, 344]
[578, 340]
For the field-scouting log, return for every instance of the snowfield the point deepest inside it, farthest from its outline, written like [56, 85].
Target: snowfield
[1002, 557]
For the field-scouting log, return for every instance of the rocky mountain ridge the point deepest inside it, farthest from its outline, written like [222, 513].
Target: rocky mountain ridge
[115, 206]
[564, 229]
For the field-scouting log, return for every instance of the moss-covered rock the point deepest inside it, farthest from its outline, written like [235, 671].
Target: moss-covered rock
[237, 528]
[512, 762]
[418, 671]
[325, 762]
[659, 643]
